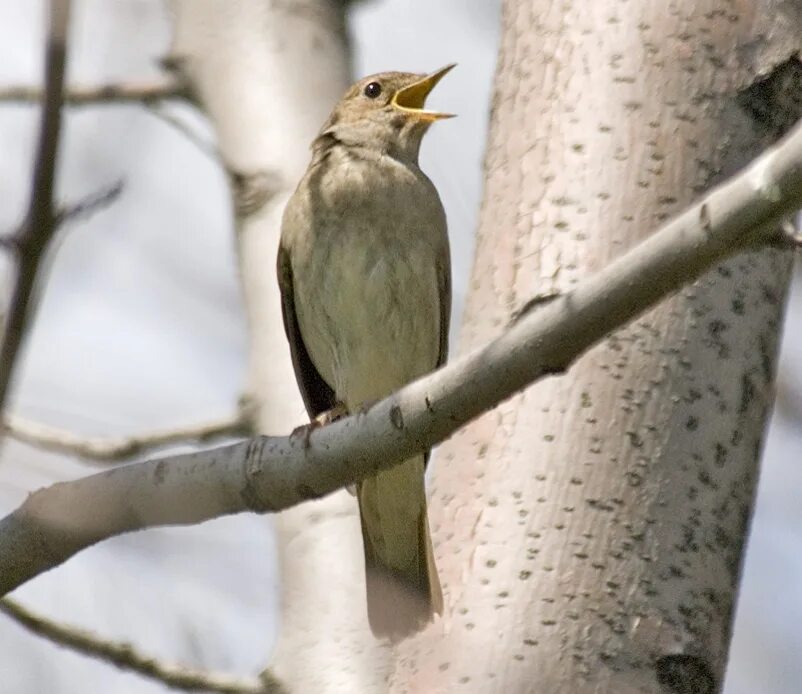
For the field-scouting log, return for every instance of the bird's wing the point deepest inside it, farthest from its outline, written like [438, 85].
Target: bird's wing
[444, 287]
[318, 395]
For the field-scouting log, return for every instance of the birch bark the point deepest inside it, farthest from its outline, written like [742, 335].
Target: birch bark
[589, 531]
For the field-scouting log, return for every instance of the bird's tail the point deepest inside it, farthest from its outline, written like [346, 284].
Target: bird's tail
[403, 589]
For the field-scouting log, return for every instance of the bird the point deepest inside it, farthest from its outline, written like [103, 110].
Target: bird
[364, 274]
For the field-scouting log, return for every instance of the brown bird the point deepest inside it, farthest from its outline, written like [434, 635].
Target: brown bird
[365, 279]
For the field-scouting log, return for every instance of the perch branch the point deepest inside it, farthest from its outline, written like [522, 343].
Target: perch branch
[273, 473]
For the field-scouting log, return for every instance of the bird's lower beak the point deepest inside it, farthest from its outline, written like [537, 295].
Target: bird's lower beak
[411, 99]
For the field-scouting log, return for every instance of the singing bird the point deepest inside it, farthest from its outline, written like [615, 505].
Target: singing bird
[365, 278]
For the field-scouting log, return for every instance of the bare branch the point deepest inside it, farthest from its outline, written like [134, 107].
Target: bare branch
[273, 473]
[115, 449]
[126, 657]
[79, 210]
[101, 95]
[90, 204]
[208, 148]
[40, 223]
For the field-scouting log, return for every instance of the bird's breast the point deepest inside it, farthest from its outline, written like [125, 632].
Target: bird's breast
[369, 304]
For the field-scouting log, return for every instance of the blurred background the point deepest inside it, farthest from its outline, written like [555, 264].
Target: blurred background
[140, 326]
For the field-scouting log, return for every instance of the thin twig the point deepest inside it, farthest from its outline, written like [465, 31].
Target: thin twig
[274, 473]
[40, 223]
[126, 657]
[91, 204]
[158, 110]
[83, 209]
[101, 95]
[115, 449]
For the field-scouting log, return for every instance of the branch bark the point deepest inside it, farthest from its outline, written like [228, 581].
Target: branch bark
[36, 232]
[126, 657]
[114, 450]
[275, 473]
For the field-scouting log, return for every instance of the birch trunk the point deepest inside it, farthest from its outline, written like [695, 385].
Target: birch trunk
[589, 532]
[267, 73]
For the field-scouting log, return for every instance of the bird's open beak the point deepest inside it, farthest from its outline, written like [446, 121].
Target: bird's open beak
[411, 99]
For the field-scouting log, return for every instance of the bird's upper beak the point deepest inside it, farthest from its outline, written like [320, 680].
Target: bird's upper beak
[412, 98]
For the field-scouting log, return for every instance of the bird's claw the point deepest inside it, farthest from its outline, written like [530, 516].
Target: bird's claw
[337, 412]
[304, 431]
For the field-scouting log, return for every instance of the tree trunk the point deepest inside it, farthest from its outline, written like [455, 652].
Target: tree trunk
[268, 73]
[589, 531]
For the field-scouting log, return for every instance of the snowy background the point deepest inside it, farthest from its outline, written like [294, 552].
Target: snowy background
[141, 327]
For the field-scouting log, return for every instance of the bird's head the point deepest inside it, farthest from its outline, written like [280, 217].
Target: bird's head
[386, 112]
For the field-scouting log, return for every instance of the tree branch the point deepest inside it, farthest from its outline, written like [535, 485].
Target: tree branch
[115, 449]
[157, 110]
[90, 204]
[274, 473]
[126, 657]
[82, 209]
[33, 237]
[101, 95]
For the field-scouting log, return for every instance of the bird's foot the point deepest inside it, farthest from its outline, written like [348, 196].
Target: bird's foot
[337, 412]
[305, 430]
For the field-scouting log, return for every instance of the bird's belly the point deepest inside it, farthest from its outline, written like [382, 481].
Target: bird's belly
[373, 318]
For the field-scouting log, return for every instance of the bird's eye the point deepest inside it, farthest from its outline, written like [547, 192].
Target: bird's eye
[372, 90]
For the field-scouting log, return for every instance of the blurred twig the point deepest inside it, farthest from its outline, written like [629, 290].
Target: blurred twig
[115, 449]
[98, 95]
[151, 95]
[84, 208]
[92, 203]
[159, 110]
[126, 657]
[33, 237]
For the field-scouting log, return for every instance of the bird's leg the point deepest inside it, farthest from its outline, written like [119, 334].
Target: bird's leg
[337, 412]
[305, 430]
